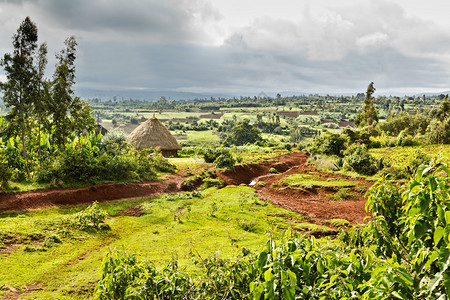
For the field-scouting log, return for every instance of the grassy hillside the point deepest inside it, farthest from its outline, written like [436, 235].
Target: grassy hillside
[45, 251]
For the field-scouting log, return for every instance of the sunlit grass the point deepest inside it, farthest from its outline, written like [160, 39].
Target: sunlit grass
[402, 156]
[218, 223]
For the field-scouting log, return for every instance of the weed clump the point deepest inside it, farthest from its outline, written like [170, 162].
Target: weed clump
[91, 218]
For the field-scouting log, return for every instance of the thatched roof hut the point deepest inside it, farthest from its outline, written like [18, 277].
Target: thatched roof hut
[100, 129]
[153, 134]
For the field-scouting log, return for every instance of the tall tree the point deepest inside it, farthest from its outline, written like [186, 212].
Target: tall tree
[19, 88]
[368, 115]
[42, 97]
[69, 113]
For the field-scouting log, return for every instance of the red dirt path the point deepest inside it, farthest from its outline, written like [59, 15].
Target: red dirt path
[313, 203]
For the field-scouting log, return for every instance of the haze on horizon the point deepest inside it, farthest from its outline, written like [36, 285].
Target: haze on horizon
[233, 47]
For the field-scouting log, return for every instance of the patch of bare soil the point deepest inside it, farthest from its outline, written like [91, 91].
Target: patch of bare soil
[315, 203]
[132, 212]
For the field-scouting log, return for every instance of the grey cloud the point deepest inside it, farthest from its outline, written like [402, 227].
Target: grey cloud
[235, 70]
[149, 20]
[364, 26]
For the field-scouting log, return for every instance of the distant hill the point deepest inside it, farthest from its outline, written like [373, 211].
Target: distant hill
[154, 95]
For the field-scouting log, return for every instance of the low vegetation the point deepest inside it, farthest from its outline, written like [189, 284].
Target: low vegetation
[402, 253]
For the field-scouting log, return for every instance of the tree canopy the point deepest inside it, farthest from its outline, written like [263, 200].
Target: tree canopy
[243, 133]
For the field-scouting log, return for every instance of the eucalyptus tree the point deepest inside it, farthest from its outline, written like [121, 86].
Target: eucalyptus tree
[19, 89]
[69, 112]
[42, 97]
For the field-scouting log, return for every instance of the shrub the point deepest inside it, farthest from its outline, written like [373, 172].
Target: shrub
[358, 158]
[114, 143]
[438, 132]
[329, 143]
[225, 161]
[91, 217]
[211, 154]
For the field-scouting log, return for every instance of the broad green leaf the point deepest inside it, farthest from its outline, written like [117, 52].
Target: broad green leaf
[419, 230]
[447, 216]
[433, 257]
[420, 172]
[320, 268]
[438, 234]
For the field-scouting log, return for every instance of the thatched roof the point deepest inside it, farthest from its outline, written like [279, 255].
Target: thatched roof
[152, 134]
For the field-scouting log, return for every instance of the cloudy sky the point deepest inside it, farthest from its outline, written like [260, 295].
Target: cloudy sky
[245, 46]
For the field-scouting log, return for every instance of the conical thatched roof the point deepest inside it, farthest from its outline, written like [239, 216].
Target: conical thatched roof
[152, 134]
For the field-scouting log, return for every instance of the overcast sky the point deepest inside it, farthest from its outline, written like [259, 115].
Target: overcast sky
[245, 46]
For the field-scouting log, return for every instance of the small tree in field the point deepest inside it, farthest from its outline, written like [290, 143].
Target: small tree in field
[243, 133]
[368, 115]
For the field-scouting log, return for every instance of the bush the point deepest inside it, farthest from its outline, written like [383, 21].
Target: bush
[225, 161]
[358, 158]
[438, 132]
[329, 143]
[114, 143]
[91, 217]
[404, 140]
[211, 154]
[83, 164]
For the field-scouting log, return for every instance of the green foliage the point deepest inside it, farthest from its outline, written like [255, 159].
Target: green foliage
[211, 154]
[420, 158]
[211, 182]
[403, 121]
[87, 159]
[221, 157]
[90, 218]
[410, 226]
[438, 132]
[5, 171]
[368, 115]
[338, 164]
[329, 143]
[356, 136]
[358, 158]
[243, 133]
[225, 161]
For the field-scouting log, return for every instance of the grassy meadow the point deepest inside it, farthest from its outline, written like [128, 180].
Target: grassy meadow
[45, 249]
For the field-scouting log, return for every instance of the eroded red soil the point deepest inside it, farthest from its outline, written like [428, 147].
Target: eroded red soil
[314, 203]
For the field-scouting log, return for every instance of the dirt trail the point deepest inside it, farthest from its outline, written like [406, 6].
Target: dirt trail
[314, 203]
[72, 196]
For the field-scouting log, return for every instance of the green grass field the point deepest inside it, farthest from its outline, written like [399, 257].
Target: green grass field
[402, 156]
[43, 249]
